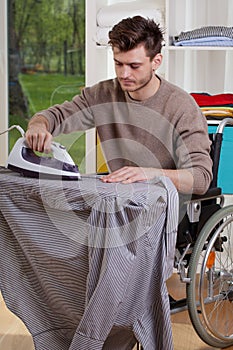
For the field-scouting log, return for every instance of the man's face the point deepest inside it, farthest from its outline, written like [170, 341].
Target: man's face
[133, 68]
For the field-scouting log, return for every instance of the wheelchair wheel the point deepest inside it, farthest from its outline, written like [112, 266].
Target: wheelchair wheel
[210, 292]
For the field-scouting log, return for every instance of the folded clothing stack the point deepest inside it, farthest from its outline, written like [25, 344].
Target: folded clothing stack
[206, 36]
[110, 15]
[215, 106]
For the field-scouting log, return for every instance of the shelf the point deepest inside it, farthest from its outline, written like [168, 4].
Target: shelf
[198, 48]
[213, 122]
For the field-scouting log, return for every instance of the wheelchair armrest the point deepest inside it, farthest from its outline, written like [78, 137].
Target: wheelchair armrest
[211, 193]
[194, 213]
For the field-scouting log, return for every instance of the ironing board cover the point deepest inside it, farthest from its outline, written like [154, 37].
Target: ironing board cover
[84, 263]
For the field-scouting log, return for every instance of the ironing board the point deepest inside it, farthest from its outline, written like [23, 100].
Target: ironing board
[84, 263]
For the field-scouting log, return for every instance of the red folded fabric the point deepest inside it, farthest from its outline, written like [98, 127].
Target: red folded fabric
[212, 100]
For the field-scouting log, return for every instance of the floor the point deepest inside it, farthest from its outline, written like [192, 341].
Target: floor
[184, 335]
[14, 335]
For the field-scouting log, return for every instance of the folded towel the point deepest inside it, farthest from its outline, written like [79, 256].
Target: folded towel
[218, 112]
[110, 15]
[205, 99]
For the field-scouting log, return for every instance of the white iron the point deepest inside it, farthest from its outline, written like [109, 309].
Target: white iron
[25, 161]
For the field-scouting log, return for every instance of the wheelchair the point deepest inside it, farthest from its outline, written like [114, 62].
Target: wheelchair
[204, 258]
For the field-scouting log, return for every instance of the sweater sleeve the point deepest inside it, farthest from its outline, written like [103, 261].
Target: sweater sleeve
[80, 114]
[74, 115]
[193, 144]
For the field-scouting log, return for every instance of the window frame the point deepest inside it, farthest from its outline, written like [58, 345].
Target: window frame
[3, 81]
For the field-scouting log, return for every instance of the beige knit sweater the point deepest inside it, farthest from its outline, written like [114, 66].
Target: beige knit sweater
[167, 130]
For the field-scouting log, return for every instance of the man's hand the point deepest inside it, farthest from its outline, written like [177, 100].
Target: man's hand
[182, 178]
[37, 135]
[129, 174]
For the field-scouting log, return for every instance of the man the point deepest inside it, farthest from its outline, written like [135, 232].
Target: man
[147, 126]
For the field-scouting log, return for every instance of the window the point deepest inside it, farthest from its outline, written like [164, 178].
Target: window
[46, 60]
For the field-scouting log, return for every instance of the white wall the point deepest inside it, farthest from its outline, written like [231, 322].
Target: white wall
[3, 82]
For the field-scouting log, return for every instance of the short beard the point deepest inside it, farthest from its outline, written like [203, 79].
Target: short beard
[143, 85]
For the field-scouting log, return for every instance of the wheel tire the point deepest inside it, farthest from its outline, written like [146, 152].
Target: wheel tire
[205, 316]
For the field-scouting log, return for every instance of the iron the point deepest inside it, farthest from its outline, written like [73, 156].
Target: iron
[25, 161]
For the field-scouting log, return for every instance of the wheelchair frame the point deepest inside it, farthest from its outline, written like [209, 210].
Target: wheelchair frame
[204, 258]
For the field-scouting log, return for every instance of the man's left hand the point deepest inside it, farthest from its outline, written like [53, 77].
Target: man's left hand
[129, 174]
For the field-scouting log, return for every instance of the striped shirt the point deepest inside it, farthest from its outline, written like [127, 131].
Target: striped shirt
[84, 263]
[207, 31]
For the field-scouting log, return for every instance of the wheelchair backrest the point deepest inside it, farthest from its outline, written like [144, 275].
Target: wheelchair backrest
[216, 144]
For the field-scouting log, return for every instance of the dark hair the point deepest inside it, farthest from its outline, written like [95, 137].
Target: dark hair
[132, 31]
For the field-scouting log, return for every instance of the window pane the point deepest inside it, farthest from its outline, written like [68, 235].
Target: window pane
[46, 61]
